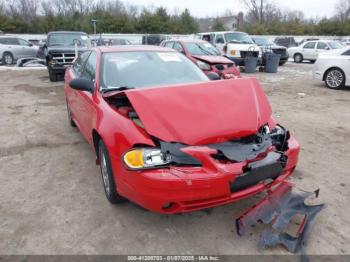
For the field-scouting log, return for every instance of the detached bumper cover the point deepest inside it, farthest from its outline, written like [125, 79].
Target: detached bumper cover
[279, 207]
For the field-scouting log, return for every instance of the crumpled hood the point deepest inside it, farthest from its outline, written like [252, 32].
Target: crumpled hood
[212, 59]
[202, 113]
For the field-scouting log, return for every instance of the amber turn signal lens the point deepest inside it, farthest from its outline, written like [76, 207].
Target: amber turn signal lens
[134, 158]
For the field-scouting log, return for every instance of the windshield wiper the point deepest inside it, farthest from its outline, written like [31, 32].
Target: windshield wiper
[205, 51]
[115, 88]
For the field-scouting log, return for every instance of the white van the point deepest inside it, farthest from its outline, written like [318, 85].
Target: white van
[234, 45]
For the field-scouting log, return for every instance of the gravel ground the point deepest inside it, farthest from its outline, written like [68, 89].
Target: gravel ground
[52, 200]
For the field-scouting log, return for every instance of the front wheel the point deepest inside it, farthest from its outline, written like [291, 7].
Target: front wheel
[53, 76]
[7, 58]
[298, 58]
[107, 175]
[335, 78]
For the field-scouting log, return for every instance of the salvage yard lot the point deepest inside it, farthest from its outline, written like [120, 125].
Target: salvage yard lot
[52, 199]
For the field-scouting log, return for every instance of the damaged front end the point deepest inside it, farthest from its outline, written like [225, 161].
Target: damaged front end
[202, 157]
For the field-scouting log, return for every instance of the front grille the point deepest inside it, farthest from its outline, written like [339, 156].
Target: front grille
[266, 169]
[245, 54]
[220, 67]
[280, 51]
[64, 58]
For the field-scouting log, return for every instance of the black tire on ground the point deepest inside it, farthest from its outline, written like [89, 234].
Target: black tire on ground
[298, 58]
[335, 78]
[7, 58]
[281, 63]
[312, 61]
[70, 119]
[107, 175]
[52, 76]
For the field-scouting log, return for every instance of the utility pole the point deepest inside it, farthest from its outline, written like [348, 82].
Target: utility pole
[94, 21]
[261, 11]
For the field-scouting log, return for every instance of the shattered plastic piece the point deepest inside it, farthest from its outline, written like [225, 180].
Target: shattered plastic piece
[279, 207]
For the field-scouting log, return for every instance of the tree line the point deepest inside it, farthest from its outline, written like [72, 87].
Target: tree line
[113, 16]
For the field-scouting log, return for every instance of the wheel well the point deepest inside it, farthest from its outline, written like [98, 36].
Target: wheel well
[334, 67]
[96, 139]
[7, 52]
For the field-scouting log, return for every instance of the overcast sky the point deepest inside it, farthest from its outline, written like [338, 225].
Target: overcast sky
[202, 8]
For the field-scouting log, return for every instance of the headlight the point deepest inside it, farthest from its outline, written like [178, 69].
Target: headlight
[203, 65]
[233, 52]
[143, 158]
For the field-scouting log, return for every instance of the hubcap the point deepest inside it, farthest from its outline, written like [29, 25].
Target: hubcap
[298, 58]
[334, 78]
[8, 59]
[105, 173]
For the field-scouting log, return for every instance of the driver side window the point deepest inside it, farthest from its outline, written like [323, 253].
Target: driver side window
[219, 39]
[178, 47]
[310, 45]
[90, 67]
[79, 64]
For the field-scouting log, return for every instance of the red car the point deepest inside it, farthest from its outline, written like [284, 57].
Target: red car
[206, 56]
[168, 138]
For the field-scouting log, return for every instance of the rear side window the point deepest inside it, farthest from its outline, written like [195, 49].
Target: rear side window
[322, 45]
[90, 67]
[3, 41]
[310, 45]
[79, 64]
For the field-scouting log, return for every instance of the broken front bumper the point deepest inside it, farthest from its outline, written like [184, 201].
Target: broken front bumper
[185, 189]
[279, 207]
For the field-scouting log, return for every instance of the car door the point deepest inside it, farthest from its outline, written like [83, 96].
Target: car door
[309, 51]
[86, 111]
[345, 65]
[13, 46]
[72, 95]
[27, 48]
[322, 47]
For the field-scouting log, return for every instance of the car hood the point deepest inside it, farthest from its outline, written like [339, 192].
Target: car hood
[202, 113]
[212, 59]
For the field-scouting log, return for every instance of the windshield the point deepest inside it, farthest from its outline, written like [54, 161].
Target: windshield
[202, 49]
[260, 41]
[239, 38]
[148, 68]
[67, 40]
[335, 45]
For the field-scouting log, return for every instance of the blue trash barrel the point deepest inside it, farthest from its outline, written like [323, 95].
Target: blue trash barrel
[250, 63]
[272, 61]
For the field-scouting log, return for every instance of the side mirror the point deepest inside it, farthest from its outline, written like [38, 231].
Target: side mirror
[327, 48]
[213, 76]
[82, 84]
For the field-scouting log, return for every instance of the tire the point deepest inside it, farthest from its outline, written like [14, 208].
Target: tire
[298, 58]
[70, 119]
[335, 78]
[282, 63]
[107, 175]
[7, 58]
[312, 61]
[52, 76]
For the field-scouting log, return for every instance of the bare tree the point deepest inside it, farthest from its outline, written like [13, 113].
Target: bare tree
[255, 8]
[343, 10]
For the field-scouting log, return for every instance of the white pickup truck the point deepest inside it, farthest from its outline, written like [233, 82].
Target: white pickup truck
[234, 45]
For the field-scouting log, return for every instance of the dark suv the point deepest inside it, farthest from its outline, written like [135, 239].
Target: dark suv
[286, 41]
[59, 50]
